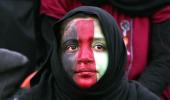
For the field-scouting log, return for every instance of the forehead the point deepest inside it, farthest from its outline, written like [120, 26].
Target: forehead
[72, 25]
[73, 21]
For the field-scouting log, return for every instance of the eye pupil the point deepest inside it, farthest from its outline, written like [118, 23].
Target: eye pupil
[71, 48]
[99, 47]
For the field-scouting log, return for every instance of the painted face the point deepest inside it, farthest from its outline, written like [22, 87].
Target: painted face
[85, 55]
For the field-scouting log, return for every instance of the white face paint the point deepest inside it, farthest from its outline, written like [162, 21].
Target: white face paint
[100, 50]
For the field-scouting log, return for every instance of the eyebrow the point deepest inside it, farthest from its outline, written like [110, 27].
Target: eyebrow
[99, 39]
[70, 41]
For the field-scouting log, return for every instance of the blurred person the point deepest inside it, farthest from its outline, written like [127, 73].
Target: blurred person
[18, 47]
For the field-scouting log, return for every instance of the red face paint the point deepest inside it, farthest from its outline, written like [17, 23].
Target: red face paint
[85, 74]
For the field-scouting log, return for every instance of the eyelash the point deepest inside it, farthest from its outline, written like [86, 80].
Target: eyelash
[71, 48]
[98, 47]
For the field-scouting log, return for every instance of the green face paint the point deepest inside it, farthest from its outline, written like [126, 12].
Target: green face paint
[100, 50]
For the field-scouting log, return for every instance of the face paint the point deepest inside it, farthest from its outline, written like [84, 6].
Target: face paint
[84, 44]
[86, 73]
[100, 50]
[69, 48]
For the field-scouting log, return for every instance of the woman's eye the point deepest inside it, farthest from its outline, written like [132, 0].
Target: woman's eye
[71, 48]
[99, 48]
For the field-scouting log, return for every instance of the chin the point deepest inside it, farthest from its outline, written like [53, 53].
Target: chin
[85, 83]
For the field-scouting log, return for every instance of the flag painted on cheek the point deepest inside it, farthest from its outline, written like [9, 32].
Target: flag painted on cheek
[68, 59]
[86, 73]
[100, 50]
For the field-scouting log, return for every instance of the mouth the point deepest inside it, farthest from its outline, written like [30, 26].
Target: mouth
[86, 73]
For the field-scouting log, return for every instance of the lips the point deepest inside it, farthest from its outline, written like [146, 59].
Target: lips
[85, 78]
[85, 73]
[85, 70]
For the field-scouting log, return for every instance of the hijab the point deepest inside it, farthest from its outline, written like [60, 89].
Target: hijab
[132, 7]
[53, 83]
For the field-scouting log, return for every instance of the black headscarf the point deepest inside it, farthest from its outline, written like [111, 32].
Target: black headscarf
[132, 7]
[54, 83]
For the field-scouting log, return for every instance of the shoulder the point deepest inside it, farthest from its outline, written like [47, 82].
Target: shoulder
[143, 93]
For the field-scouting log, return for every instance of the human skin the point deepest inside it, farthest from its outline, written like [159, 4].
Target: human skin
[84, 56]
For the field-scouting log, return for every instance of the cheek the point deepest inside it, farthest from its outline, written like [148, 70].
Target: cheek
[101, 60]
[69, 62]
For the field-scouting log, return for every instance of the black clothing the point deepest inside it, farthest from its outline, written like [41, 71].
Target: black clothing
[17, 34]
[157, 75]
[13, 68]
[17, 23]
[54, 83]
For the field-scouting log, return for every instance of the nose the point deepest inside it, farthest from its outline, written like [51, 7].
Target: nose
[85, 55]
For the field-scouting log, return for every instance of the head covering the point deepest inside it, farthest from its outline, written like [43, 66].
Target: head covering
[55, 84]
[132, 7]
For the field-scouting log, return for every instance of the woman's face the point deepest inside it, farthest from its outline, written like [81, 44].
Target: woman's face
[84, 51]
